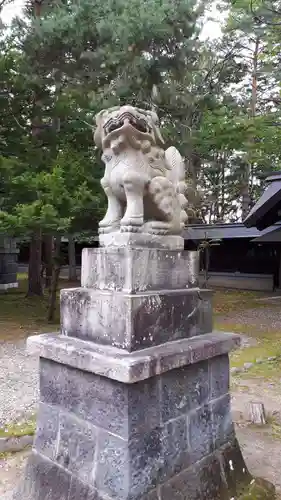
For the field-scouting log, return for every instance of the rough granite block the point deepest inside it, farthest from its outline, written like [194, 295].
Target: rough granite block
[45, 440]
[144, 411]
[212, 485]
[96, 399]
[130, 469]
[134, 322]
[8, 278]
[234, 468]
[183, 486]
[200, 433]
[146, 459]
[175, 450]
[44, 480]
[138, 270]
[108, 404]
[222, 424]
[183, 389]
[219, 376]
[81, 491]
[77, 441]
[112, 473]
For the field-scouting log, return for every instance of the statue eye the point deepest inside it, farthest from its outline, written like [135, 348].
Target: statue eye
[114, 126]
[141, 126]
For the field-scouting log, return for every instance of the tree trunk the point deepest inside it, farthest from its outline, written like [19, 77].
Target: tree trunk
[34, 266]
[48, 241]
[223, 204]
[194, 168]
[248, 169]
[207, 266]
[55, 279]
[72, 274]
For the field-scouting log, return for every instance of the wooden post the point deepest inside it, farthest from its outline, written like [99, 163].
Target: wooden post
[257, 413]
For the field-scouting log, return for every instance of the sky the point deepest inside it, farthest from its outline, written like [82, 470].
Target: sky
[10, 10]
[211, 29]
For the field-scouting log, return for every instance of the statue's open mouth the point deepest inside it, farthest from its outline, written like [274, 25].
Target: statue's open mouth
[121, 120]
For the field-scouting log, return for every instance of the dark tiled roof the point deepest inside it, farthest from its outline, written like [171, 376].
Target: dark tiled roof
[267, 210]
[225, 231]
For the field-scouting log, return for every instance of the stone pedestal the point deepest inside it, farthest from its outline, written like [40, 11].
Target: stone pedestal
[8, 264]
[134, 392]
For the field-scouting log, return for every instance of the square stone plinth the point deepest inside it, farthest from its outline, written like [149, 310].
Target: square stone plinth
[154, 438]
[134, 270]
[127, 367]
[135, 321]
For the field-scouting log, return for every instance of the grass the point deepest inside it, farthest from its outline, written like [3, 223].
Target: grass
[229, 306]
[228, 301]
[21, 315]
[18, 429]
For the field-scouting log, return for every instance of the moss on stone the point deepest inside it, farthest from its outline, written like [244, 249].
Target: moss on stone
[259, 489]
[19, 429]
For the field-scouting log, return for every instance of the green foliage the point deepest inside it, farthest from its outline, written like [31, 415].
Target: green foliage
[48, 179]
[67, 60]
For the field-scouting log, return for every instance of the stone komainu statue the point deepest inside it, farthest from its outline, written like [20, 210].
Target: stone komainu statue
[144, 183]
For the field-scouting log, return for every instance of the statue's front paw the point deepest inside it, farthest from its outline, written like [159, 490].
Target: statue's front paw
[131, 224]
[109, 222]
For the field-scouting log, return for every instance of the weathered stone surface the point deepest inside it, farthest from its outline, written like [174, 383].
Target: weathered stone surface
[8, 263]
[161, 436]
[144, 405]
[143, 239]
[184, 389]
[183, 486]
[134, 322]
[127, 367]
[99, 400]
[81, 491]
[176, 456]
[113, 466]
[128, 470]
[219, 376]
[212, 485]
[222, 424]
[76, 450]
[43, 480]
[45, 440]
[138, 270]
[122, 409]
[234, 468]
[146, 461]
[200, 433]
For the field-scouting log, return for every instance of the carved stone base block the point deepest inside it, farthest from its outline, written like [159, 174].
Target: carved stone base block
[141, 239]
[8, 264]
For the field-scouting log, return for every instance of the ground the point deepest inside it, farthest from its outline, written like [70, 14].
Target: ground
[255, 315]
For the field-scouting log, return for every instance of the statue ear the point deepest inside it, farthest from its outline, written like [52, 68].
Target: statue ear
[98, 116]
[98, 130]
[157, 133]
[97, 137]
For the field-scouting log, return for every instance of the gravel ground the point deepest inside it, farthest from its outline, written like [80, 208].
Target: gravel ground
[262, 318]
[18, 381]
